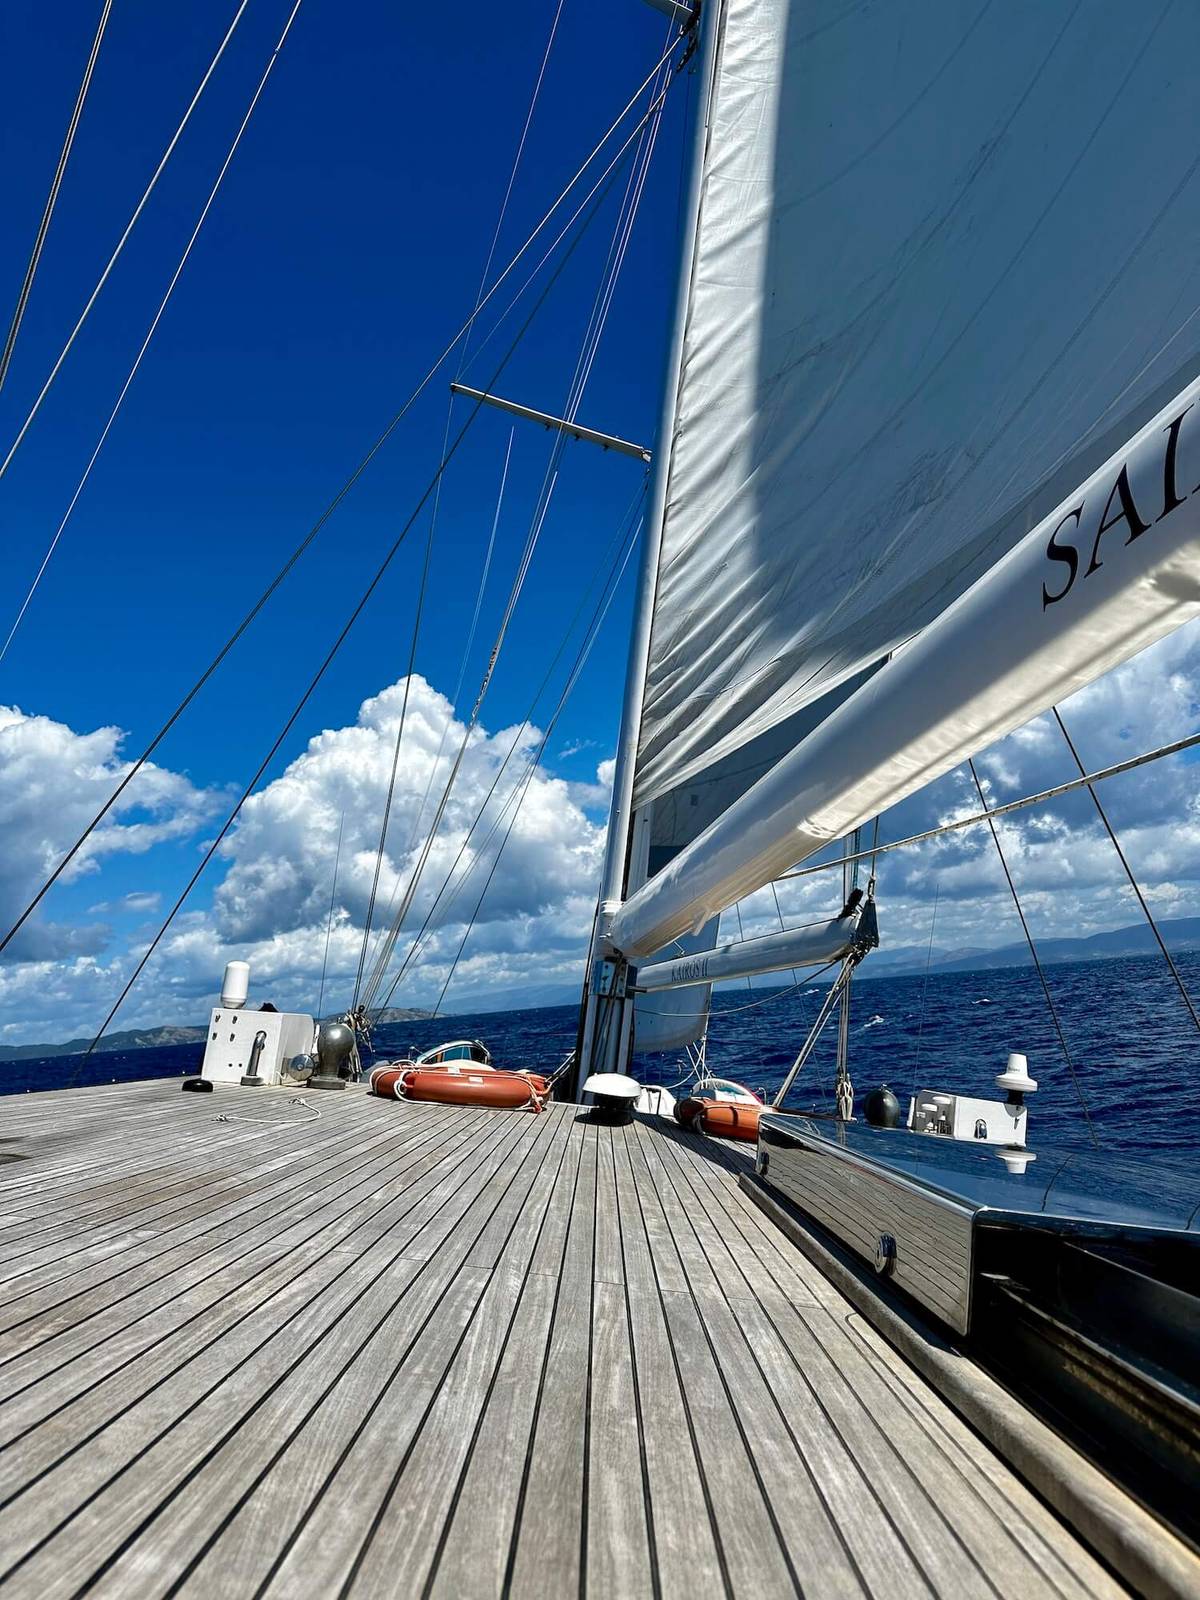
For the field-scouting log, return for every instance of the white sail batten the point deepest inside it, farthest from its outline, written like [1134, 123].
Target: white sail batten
[1113, 568]
[811, 946]
[942, 270]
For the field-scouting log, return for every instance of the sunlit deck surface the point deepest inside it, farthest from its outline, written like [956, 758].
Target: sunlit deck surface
[400, 1349]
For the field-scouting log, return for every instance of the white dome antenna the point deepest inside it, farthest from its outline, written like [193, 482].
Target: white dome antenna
[235, 985]
[1015, 1079]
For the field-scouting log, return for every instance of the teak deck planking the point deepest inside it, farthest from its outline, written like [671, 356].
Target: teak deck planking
[258, 1343]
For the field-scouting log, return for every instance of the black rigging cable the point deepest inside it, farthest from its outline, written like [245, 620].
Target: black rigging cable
[337, 857]
[595, 327]
[337, 643]
[150, 332]
[450, 398]
[526, 780]
[52, 198]
[1050, 1006]
[1133, 883]
[1176, 747]
[601, 187]
[627, 528]
[124, 239]
[408, 678]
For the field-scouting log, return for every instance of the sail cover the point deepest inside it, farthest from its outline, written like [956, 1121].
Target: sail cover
[672, 1018]
[944, 267]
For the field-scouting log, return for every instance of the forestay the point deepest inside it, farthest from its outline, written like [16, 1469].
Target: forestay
[943, 270]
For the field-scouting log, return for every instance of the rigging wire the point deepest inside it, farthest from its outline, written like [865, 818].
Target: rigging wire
[466, 342]
[412, 656]
[35, 255]
[150, 332]
[600, 186]
[976, 817]
[334, 648]
[121, 242]
[1051, 1007]
[1133, 883]
[597, 320]
[419, 817]
[535, 762]
[937, 889]
[629, 520]
[750, 1005]
[329, 923]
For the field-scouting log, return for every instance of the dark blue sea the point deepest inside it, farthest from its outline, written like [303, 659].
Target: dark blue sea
[1134, 1048]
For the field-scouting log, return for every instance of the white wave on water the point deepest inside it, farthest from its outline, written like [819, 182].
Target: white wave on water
[875, 1022]
[984, 1000]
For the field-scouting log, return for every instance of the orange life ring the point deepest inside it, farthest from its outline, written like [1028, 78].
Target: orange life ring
[687, 1110]
[725, 1119]
[731, 1119]
[383, 1079]
[502, 1090]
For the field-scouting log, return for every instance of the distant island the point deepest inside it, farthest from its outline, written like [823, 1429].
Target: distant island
[1179, 934]
[159, 1038]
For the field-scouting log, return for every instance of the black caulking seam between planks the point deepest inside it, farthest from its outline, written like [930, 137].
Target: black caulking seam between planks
[362, 1177]
[343, 1151]
[647, 1500]
[718, 1545]
[385, 1503]
[800, 1456]
[519, 1513]
[464, 1470]
[829, 1422]
[130, 1539]
[275, 1332]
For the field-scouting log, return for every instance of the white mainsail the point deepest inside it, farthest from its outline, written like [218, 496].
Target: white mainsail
[1113, 568]
[942, 270]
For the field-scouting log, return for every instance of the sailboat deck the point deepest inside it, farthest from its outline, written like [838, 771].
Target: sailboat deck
[256, 1346]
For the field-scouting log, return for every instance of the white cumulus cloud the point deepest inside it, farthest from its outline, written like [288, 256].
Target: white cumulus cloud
[53, 781]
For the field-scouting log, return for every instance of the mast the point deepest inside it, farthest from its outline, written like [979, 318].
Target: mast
[620, 819]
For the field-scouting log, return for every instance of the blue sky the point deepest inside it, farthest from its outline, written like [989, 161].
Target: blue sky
[345, 247]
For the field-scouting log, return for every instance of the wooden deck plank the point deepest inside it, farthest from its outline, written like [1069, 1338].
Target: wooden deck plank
[307, 1465]
[994, 1506]
[401, 1545]
[549, 1534]
[409, 1349]
[152, 1345]
[931, 1503]
[742, 1524]
[679, 1498]
[30, 1317]
[33, 1287]
[94, 1319]
[134, 1467]
[475, 1543]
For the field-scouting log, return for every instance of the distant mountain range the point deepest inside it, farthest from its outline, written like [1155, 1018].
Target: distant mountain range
[1179, 934]
[155, 1038]
[135, 1039]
